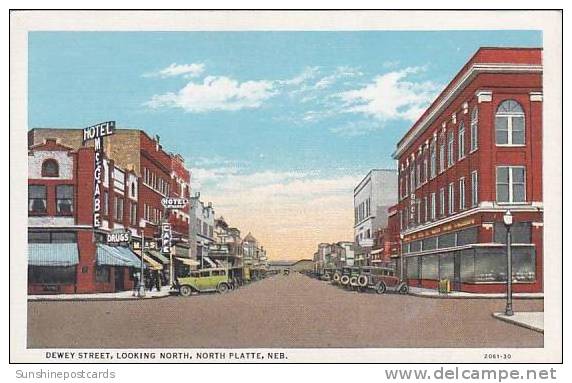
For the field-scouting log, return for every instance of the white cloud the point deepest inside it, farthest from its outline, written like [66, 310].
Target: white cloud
[357, 128]
[185, 70]
[216, 93]
[391, 96]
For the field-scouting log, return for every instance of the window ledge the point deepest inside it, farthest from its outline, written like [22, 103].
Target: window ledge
[510, 145]
[473, 150]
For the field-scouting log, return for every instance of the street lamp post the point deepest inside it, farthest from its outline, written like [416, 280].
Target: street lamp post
[507, 219]
[401, 259]
[141, 290]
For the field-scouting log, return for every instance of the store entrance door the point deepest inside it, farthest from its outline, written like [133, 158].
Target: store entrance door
[119, 277]
[457, 272]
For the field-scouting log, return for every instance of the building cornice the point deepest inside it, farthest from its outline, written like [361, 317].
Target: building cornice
[447, 97]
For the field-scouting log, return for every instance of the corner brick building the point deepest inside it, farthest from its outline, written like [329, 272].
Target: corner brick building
[138, 173]
[475, 153]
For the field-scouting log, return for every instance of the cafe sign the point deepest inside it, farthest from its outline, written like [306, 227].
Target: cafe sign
[96, 133]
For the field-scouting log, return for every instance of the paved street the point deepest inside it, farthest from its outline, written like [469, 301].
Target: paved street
[282, 311]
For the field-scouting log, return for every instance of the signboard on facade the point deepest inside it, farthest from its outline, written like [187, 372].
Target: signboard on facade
[96, 133]
[412, 207]
[166, 237]
[119, 237]
[174, 203]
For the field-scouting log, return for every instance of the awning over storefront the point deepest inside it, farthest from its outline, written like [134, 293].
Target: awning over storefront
[376, 251]
[157, 255]
[153, 264]
[53, 254]
[188, 261]
[209, 261]
[116, 256]
[181, 251]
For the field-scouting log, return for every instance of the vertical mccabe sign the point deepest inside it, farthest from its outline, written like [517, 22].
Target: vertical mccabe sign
[96, 133]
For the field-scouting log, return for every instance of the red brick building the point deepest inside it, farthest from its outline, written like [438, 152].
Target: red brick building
[475, 153]
[65, 253]
[138, 174]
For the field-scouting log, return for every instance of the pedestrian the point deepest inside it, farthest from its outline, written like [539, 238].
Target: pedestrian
[157, 280]
[135, 283]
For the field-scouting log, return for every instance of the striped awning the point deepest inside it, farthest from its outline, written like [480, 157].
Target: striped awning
[188, 261]
[157, 255]
[116, 256]
[53, 254]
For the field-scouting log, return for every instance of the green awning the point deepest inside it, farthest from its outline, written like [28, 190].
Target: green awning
[181, 251]
[116, 256]
[160, 257]
[53, 254]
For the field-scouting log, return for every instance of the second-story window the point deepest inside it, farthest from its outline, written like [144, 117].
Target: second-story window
[64, 199]
[474, 188]
[511, 184]
[451, 198]
[442, 202]
[509, 123]
[462, 193]
[119, 209]
[37, 199]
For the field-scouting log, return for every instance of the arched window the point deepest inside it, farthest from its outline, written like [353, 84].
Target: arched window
[50, 168]
[509, 123]
[474, 128]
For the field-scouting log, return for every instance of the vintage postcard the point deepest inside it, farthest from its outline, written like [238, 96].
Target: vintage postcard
[276, 186]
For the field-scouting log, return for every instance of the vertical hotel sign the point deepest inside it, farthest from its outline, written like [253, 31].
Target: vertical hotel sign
[96, 133]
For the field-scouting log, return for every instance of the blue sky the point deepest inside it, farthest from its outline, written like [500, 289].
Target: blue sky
[273, 112]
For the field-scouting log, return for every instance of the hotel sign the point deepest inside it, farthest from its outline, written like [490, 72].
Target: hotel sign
[96, 133]
[174, 203]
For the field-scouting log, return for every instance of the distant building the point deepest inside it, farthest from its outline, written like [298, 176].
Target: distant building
[299, 265]
[372, 197]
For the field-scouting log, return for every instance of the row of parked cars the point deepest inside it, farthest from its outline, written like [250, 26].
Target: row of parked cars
[220, 280]
[365, 278]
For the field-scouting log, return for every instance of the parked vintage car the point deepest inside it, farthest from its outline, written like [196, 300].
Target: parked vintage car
[380, 279]
[204, 280]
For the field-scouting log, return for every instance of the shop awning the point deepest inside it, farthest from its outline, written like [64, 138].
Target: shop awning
[116, 256]
[376, 251]
[188, 261]
[160, 257]
[53, 254]
[181, 251]
[153, 264]
[209, 261]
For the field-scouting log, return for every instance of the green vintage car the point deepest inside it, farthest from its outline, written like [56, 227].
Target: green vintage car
[204, 280]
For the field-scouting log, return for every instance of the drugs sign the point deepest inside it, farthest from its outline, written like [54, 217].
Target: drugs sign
[174, 203]
[119, 237]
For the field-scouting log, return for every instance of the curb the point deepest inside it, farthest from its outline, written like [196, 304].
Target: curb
[95, 299]
[516, 323]
[446, 296]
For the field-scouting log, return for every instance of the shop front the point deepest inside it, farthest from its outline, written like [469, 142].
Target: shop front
[474, 258]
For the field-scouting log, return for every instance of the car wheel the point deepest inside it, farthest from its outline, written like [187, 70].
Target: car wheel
[403, 289]
[381, 288]
[222, 288]
[362, 281]
[345, 280]
[185, 291]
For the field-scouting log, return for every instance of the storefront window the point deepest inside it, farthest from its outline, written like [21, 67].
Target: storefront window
[413, 267]
[521, 232]
[51, 274]
[447, 266]
[430, 267]
[415, 246]
[467, 264]
[102, 274]
[404, 248]
[429, 243]
[52, 237]
[446, 240]
[490, 264]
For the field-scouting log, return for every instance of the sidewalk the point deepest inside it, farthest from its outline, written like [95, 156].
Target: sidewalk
[431, 293]
[530, 320]
[123, 295]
